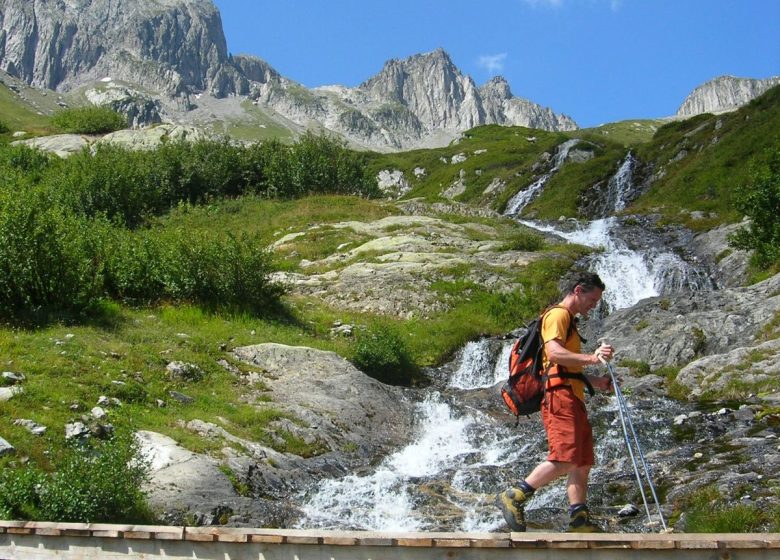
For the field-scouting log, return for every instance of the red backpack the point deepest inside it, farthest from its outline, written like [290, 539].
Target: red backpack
[524, 390]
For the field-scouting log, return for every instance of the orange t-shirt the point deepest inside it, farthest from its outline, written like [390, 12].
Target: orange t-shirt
[555, 326]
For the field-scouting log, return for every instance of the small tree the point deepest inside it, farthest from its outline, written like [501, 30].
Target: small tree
[759, 200]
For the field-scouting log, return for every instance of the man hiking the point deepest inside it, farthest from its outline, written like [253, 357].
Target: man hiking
[565, 419]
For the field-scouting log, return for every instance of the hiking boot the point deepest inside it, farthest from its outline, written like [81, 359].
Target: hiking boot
[511, 503]
[581, 523]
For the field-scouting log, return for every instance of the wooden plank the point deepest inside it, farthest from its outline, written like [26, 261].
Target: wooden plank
[339, 540]
[414, 541]
[270, 539]
[452, 543]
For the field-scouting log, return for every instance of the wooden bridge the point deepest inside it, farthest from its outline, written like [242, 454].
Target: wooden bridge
[22, 540]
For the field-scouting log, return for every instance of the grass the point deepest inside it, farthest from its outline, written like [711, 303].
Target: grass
[628, 133]
[704, 157]
[19, 115]
[707, 512]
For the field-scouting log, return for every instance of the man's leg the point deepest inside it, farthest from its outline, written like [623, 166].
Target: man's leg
[577, 485]
[548, 471]
[577, 490]
[511, 502]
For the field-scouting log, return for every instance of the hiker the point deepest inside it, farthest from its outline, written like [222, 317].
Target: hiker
[565, 419]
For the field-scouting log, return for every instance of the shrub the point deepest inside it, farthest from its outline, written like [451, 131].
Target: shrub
[759, 200]
[89, 120]
[123, 184]
[97, 482]
[382, 353]
[219, 271]
[3, 127]
[50, 260]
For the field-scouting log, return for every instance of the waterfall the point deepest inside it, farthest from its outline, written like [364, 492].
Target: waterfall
[619, 186]
[524, 197]
[630, 275]
[452, 447]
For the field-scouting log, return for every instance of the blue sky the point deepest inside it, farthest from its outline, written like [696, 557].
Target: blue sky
[597, 61]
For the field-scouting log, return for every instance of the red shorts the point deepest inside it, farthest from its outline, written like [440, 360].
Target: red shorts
[569, 434]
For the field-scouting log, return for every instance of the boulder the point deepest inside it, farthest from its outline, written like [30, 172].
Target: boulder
[340, 404]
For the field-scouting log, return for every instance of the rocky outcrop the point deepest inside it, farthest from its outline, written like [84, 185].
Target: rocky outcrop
[173, 46]
[140, 109]
[409, 254]
[724, 93]
[65, 145]
[676, 330]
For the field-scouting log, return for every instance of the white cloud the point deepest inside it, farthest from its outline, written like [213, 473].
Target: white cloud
[493, 63]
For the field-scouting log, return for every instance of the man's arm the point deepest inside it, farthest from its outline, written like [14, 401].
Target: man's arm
[557, 354]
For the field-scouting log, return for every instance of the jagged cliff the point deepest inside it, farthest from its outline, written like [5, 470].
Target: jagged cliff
[176, 49]
[725, 93]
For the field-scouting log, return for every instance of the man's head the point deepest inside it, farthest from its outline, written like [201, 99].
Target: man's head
[585, 290]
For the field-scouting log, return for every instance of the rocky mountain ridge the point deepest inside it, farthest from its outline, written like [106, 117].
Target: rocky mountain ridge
[176, 51]
[724, 93]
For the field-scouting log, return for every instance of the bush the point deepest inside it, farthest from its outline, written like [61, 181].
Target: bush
[759, 200]
[3, 127]
[227, 271]
[50, 260]
[382, 353]
[122, 184]
[89, 120]
[97, 482]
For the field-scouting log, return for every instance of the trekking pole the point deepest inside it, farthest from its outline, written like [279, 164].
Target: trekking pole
[625, 418]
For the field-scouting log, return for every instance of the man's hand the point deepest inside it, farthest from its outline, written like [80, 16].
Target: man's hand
[601, 383]
[604, 352]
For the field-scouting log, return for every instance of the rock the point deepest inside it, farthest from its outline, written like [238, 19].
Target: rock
[340, 403]
[629, 510]
[7, 393]
[75, 430]
[183, 371]
[98, 413]
[393, 183]
[12, 377]
[63, 145]
[724, 93]
[31, 426]
[713, 322]
[181, 397]
[187, 486]
[150, 138]
[752, 367]
[6, 448]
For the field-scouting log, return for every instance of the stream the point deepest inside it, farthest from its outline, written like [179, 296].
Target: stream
[466, 446]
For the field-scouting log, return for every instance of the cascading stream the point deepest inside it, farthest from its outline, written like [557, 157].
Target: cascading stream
[461, 453]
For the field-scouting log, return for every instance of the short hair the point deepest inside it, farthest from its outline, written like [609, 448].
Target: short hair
[588, 281]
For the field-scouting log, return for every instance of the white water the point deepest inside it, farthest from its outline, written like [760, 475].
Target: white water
[524, 197]
[449, 446]
[629, 275]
